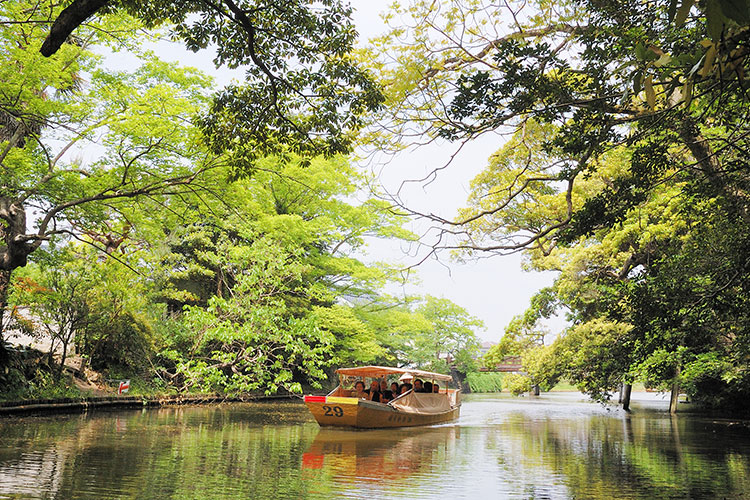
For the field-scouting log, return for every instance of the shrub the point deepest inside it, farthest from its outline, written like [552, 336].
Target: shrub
[518, 384]
[485, 382]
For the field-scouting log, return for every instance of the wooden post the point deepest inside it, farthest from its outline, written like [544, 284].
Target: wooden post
[619, 397]
[626, 397]
[536, 390]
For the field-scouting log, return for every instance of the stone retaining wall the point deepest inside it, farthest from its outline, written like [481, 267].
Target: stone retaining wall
[72, 405]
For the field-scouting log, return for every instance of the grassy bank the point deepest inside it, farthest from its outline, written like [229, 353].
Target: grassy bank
[485, 381]
[489, 382]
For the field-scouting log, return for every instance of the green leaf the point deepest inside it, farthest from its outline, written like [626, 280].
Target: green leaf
[715, 19]
[640, 51]
[683, 12]
[736, 10]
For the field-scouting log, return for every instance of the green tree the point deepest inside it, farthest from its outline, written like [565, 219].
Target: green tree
[626, 121]
[451, 338]
[135, 128]
[691, 322]
[523, 333]
[595, 76]
[316, 205]
[431, 333]
[248, 340]
[303, 91]
[55, 307]
[310, 209]
[355, 341]
[76, 296]
[396, 326]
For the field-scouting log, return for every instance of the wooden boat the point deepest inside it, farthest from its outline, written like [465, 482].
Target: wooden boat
[340, 409]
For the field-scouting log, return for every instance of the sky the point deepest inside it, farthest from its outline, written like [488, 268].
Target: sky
[493, 289]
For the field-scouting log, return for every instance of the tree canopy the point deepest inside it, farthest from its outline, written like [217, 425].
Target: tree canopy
[81, 143]
[621, 166]
[302, 92]
[625, 122]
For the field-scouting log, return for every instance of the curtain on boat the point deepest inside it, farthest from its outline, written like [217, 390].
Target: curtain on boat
[423, 403]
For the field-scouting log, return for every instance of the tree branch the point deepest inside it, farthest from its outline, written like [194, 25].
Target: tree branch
[69, 19]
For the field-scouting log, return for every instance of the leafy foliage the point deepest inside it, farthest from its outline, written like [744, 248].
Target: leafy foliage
[302, 92]
[305, 213]
[431, 333]
[625, 172]
[248, 340]
[229, 226]
[98, 305]
[485, 381]
[79, 144]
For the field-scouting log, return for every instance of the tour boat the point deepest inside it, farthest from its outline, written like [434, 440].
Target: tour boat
[341, 409]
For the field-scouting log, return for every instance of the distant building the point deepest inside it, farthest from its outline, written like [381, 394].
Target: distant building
[484, 348]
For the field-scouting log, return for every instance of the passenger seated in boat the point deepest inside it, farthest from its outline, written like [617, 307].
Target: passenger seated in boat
[385, 394]
[406, 387]
[418, 385]
[428, 387]
[374, 392]
[394, 389]
[435, 388]
[359, 390]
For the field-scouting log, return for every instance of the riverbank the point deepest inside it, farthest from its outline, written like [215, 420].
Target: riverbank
[30, 386]
[74, 405]
[641, 402]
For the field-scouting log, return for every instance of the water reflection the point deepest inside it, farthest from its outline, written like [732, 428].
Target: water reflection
[376, 461]
[548, 448]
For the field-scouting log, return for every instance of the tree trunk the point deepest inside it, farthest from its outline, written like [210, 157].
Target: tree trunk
[460, 380]
[675, 396]
[4, 284]
[65, 340]
[626, 397]
[13, 254]
[14, 246]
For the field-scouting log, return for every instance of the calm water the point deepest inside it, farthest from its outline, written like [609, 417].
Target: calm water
[553, 447]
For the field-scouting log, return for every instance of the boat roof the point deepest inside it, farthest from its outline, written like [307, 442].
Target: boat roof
[380, 371]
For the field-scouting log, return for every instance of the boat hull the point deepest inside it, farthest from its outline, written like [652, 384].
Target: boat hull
[336, 411]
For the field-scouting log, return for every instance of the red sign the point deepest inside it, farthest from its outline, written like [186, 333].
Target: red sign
[124, 386]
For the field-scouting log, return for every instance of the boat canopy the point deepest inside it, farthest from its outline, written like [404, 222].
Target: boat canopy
[380, 371]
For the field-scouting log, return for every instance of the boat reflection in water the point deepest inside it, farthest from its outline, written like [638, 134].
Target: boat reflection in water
[379, 456]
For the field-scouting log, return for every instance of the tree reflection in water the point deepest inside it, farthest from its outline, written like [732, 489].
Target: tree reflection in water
[500, 448]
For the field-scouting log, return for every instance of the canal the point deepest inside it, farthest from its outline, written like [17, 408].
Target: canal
[557, 446]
